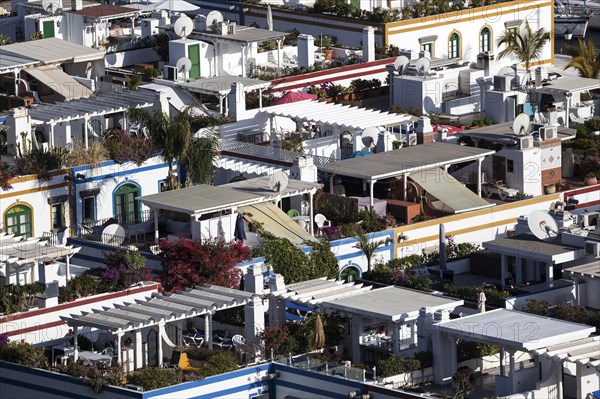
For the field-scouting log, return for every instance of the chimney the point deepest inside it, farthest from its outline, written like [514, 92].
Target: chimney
[76, 5]
[306, 51]
[485, 61]
[304, 169]
[368, 39]
[18, 121]
[424, 130]
[541, 73]
[237, 101]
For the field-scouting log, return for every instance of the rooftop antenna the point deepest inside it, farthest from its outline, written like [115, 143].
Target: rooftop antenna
[422, 66]
[278, 181]
[521, 125]
[212, 19]
[184, 65]
[113, 234]
[369, 136]
[542, 225]
[183, 26]
[401, 63]
[51, 6]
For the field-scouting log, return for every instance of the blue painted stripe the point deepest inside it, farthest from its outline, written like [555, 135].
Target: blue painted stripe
[352, 240]
[42, 389]
[360, 253]
[122, 173]
[82, 168]
[312, 390]
[209, 380]
[245, 389]
[317, 376]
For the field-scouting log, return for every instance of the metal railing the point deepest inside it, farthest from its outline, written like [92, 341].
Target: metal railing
[270, 153]
[127, 219]
[313, 363]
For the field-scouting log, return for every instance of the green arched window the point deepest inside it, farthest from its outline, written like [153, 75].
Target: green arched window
[349, 274]
[454, 46]
[126, 207]
[17, 221]
[485, 40]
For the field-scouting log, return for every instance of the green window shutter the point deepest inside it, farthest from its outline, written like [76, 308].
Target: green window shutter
[194, 56]
[48, 29]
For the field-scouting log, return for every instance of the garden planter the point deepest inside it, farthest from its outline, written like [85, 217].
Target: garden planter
[590, 181]
[549, 189]
[328, 54]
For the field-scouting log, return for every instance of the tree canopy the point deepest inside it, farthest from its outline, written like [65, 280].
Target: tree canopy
[586, 59]
[525, 46]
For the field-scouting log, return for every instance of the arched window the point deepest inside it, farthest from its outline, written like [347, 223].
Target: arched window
[454, 46]
[17, 221]
[485, 40]
[349, 274]
[127, 209]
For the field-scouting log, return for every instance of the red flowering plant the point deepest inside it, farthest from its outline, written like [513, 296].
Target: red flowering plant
[275, 338]
[124, 269]
[6, 174]
[187, 263]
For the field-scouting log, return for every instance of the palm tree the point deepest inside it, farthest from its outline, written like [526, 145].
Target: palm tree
[586, 59]
[200, 156]
[170, 134]
[368, 247]
[525, 46]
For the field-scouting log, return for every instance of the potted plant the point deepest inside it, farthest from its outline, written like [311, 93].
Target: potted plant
[324, 44]
[590, 179]
[549, 189]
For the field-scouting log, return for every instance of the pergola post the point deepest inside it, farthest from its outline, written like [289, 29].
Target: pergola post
[511, 372]
[208, 329]
[220, 104]
[311, 215]
[68, 266]
[159, 350]
[156, 232]
[279, 54]
[86, 119]
[396, 338]
[16, 73]
[254, 313]
[479, 161]
[549, 271]
[51, 135]
[371, 199]
[503, 269]
[518, 270]
[75, 348]
[260, 92]
[405, 186]
[331, 177]
[243, 51]
[119, 354]
[502, 354]
[139, 356]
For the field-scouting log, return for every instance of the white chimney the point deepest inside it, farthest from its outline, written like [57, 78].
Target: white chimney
[237, 101]
[76, 5]
[306, 51]
[368, 39]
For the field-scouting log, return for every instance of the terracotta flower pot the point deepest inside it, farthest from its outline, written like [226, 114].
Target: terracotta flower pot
[549, 189]
[590, 181]
[328, 53]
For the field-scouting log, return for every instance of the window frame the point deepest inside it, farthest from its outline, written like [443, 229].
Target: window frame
[451, 54]
[92, 200]
[489, 40]
[57, 215]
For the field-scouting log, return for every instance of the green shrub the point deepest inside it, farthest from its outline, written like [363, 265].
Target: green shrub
[25, 354]
[424, 358]
[371, 222]
[153, 378]
[406, 262]
[538, 307]
[593, 124]
[219, 362]
[474, 350]
[382, 273]
[397, 365]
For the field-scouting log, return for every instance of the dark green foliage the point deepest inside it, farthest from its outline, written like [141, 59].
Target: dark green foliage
[14, 298]
[474, 350]
[371, 221]
[124, 147]
[25, 354]
[424, 358]
[78, 287]
[482, 122]
[219, 362]
[323, 261]
[563, 311]
[358, 85]
[397, 365]
[231, 316]
[201, 157]
[494, 297]
[153, 378]
[39, 162]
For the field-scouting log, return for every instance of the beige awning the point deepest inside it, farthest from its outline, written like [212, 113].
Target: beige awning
[451, 193]
[60, 82]
[276, 222]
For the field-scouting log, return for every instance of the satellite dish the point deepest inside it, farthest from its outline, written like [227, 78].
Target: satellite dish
[212, 19]
[401, 63]
[369, 136]
[278, 181]
[51, 6]
[422, 66]
[113, 234]
[506, 71]
[542, 225]
[184, 65]
[522, 125]
[183, 26]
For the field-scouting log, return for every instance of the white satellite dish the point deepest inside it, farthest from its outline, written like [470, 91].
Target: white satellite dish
[422, 66]
[401, 63]
[542, 225]
[113, 234]
[51, 6]
[183, 26]
[369, 136]
[522, 125]
[278, 181]
[184, 65]
[506, 71]
[212, 19]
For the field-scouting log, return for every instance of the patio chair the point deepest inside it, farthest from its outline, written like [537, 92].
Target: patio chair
[293, 213]
[174, 362]
[322, 221]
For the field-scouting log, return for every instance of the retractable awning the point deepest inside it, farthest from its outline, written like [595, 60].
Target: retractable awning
[60, 82]
[277, 222]
[450, 192]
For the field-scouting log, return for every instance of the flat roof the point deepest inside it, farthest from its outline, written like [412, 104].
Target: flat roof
[504, 131]
[244, 34]
[104, 11]
[391, 303]
[200, 199]
[11, 62]
[529, 246]
[52, 51]
[514, 329]
[261, 186]
[316, 291]
[221, 85]
[591, 269]
[405, 160]
[343, 116]
[569, 84]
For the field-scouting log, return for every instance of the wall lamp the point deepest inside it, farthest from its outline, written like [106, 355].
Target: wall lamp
[80, 176]
[68, 178]
[402, 237]
[273, 376]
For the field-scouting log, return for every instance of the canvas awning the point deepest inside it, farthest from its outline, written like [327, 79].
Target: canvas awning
[59, 81]
[277, 222]
[451, 193]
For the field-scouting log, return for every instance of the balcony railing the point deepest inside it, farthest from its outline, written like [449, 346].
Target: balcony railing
[312, 363]
[269, 153]
[126, 219]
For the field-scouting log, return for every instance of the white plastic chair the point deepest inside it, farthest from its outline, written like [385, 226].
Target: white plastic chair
[321, 221]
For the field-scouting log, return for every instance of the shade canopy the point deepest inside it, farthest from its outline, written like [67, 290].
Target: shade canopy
[221, 85]
[63, 84]
[342, 116]
[276, 222]
[451, 193]
[529, 247]
[52, 51]
[175, 5]
[294, 96]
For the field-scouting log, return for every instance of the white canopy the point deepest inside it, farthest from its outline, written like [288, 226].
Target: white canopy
[343, 116]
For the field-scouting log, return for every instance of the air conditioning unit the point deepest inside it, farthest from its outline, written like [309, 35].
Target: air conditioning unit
[548, 133]
[502, 82]
[592, 248]
[170, 73]
[525, 142]
[232, 28]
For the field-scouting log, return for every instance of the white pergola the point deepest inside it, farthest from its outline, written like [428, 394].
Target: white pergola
[159, 310]
[17, 254]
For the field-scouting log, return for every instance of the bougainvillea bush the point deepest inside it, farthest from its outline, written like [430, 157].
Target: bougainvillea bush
[191, 262]
[123, 270]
